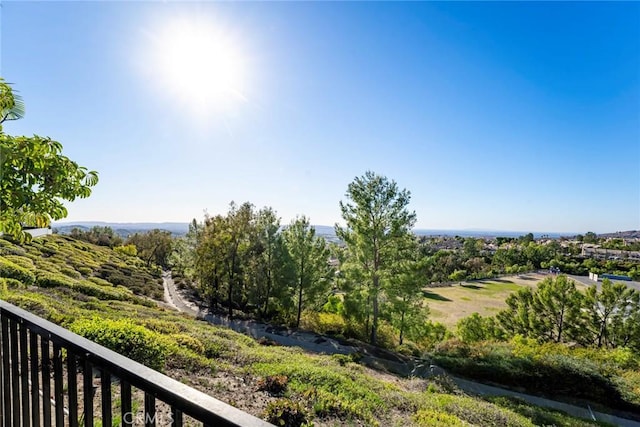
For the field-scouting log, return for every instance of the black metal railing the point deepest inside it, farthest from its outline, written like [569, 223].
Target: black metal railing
[91, 383]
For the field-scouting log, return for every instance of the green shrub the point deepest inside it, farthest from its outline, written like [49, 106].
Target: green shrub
[186, 359]
[189, 342]
[215, 347]
[9, 283]
[129, 250]
[162, 326]
[47, 279]
[84, 270]
[323, 323]
[285, 413]
[409, 349]
[538, 415]
[275, 385]
[70, 272]
[435, 418]
[7, 248]
[22, 261]
[476, 411]
[13, 271]
[126, 338]
[35, 304]
[103, 293]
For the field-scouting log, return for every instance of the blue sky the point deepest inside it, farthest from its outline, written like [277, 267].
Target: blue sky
[503, 116]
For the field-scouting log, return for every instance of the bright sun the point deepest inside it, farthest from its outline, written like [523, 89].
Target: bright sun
[198, 64]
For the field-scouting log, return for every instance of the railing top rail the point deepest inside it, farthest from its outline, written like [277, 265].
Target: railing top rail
[189, 400]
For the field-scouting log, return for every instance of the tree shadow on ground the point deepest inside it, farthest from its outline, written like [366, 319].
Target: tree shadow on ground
[434, 296]
[476, 287]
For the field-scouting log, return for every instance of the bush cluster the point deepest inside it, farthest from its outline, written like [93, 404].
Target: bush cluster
[571, 373]
[286, 413]
[275, 385]
[124, 337]
[11, 270]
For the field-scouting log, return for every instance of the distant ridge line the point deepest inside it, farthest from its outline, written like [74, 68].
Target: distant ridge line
[181, 228]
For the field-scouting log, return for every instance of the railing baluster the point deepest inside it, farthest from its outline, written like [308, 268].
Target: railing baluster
[3, 403]
[15, 372]
[35, 380]
[24, 375]
[46, 382]
[87, 380]
[125, 403]
[149, 410]
[176, 417]
[58, 385]
[105, 389]
[72, 384]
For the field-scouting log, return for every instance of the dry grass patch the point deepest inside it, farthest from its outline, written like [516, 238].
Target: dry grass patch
[486, 297]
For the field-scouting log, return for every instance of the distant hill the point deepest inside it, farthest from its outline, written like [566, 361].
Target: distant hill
[631, 234]
[124, 229]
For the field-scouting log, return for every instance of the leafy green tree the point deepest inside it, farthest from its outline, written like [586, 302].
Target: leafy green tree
[519, 316]
[611, 314]
[183, 256]
[458, 275]
[407, 310]
[236, 238]
[475, 328]
[557, 305]
[34, 176]
[269, 268]
[11, 104]
[377, 223]
[310, 262]
[472, 247]
[102, 236]
[210, 257]
[625, 324]
[153, 246]
[527, 238]
[590, 237]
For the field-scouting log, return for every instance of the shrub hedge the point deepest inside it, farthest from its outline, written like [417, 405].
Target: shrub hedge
[14, 271]
[125, 337]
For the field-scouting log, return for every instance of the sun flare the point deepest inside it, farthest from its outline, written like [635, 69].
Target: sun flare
[197, 63]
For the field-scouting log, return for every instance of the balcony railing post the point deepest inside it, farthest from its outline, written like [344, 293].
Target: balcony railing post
[149, 410]
[125, 403]
[46, 382]
[58, 385]
[72, 384]
[24, 375]
[15, 372]
[87, 378]
[3, 379]
[105, 389]
[35, 381]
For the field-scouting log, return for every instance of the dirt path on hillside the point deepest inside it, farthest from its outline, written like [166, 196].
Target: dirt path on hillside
[372, 357]
[283, 336]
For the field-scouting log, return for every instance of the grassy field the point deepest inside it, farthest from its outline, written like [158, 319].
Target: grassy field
[486, 297]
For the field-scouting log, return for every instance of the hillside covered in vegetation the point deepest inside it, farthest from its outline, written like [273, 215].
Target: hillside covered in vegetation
[114, 299]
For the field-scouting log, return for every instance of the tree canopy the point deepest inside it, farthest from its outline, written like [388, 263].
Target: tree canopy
[378, 228]
[35, 177]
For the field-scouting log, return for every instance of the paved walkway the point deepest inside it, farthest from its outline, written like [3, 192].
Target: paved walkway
[326, 345]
